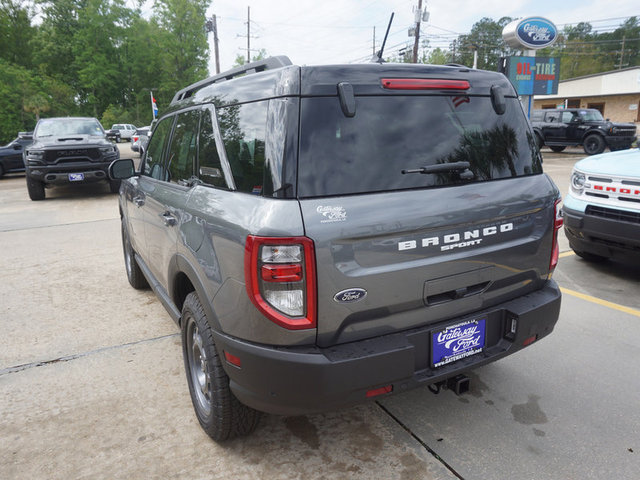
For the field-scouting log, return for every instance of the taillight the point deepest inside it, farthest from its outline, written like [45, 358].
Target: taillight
[557, 225]
[424, 84]
[280, 276]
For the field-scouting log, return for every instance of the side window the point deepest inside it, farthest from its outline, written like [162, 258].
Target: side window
[209, 165]
[553, 117]
[182, 153]
[154, 158]
[567, 117]
[243, 129]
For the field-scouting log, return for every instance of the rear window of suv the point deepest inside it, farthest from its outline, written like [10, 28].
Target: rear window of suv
[368, 152]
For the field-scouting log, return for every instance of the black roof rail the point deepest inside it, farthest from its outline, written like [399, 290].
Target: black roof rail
[253, 67]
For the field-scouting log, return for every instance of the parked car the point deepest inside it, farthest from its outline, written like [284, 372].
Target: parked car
[68, 150]
[139, 139]
[113, 135]
[602, 208]
[318, 248]
[11, 154]
[561, 128]
[126, 130]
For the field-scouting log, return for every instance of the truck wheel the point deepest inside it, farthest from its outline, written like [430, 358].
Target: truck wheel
[35, 189]
[593, 144]
[219, 412]
[134, 274]
[557, 148]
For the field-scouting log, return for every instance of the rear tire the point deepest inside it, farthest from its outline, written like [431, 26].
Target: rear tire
[219, 412]
[35, 189]
[557, 148]
[134, 274]
[593, 144]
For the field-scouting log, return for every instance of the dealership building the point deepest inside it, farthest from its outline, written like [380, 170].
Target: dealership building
[616, 94]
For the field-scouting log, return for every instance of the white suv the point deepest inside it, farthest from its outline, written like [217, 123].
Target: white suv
[126, 130]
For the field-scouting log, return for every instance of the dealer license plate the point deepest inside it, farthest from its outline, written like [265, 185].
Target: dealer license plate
[76, 177]
[457, 341]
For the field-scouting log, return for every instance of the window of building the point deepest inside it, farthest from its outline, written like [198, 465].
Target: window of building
[573, 103]
[598, 106]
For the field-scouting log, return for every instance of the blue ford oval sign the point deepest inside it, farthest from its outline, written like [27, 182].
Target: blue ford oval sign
[351, 295]
[531, 32]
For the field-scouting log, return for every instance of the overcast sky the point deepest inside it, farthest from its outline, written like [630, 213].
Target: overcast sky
[341, 31]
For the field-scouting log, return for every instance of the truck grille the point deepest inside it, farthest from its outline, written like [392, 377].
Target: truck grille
[71, 155]
[613, 214]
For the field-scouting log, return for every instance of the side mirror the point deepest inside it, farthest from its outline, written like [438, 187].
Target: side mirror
[17, 146]
[122, 169]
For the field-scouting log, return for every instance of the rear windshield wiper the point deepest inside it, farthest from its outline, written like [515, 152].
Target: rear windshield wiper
[462, 167]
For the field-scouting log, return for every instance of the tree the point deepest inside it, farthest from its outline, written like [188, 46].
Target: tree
[15, 32]
[184, 43]
[486, 38]
[241, 59]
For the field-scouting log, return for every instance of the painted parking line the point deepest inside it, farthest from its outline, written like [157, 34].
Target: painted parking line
[568, 253]
[589, 298]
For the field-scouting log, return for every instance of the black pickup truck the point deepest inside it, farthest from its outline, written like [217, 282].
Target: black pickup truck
[561, 128]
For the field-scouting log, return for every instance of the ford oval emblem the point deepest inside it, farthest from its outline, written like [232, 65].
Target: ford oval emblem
[351, 295]
[536, 32]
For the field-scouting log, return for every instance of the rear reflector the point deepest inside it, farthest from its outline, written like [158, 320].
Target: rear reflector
[232, 359]
[557, 225]
[529, 340]
[424, 84]
[379, 391]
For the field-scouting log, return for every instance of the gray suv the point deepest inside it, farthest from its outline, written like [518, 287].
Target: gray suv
[324, 235]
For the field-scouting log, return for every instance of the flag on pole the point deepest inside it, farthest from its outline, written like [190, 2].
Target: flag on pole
[154, 107]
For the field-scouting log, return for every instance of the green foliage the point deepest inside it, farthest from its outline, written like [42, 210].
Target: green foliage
[241, 59]
[486, 38]
[97, 58]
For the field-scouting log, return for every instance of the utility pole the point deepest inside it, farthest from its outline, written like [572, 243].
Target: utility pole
[212, 26]
[624, 37]
[374, 41]
[416, 42]
[248, 35]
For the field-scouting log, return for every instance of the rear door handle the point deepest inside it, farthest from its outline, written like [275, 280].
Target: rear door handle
[168, 219]
[138, 201]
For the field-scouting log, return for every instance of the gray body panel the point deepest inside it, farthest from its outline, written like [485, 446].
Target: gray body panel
[408, 288]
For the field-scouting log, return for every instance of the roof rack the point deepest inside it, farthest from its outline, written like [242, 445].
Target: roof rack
[249, 68]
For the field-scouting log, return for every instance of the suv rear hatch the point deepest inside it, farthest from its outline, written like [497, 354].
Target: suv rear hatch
[405, 234]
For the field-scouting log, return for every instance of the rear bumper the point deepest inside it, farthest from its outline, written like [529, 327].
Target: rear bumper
[301, 380]
[59, 174]
[607, 237]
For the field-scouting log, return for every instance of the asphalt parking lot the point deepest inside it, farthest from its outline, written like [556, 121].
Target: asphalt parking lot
[92, 382]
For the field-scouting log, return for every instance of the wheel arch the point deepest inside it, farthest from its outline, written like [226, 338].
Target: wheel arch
[184, 280]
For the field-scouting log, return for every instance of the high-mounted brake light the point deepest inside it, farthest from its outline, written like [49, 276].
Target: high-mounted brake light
[280, 277]
[424, 84]
[557, 225]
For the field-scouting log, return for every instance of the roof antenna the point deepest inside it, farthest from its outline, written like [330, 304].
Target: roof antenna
[380, 60]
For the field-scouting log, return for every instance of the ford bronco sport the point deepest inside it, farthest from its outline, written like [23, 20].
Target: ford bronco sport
[561, 128]
[325, 235]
